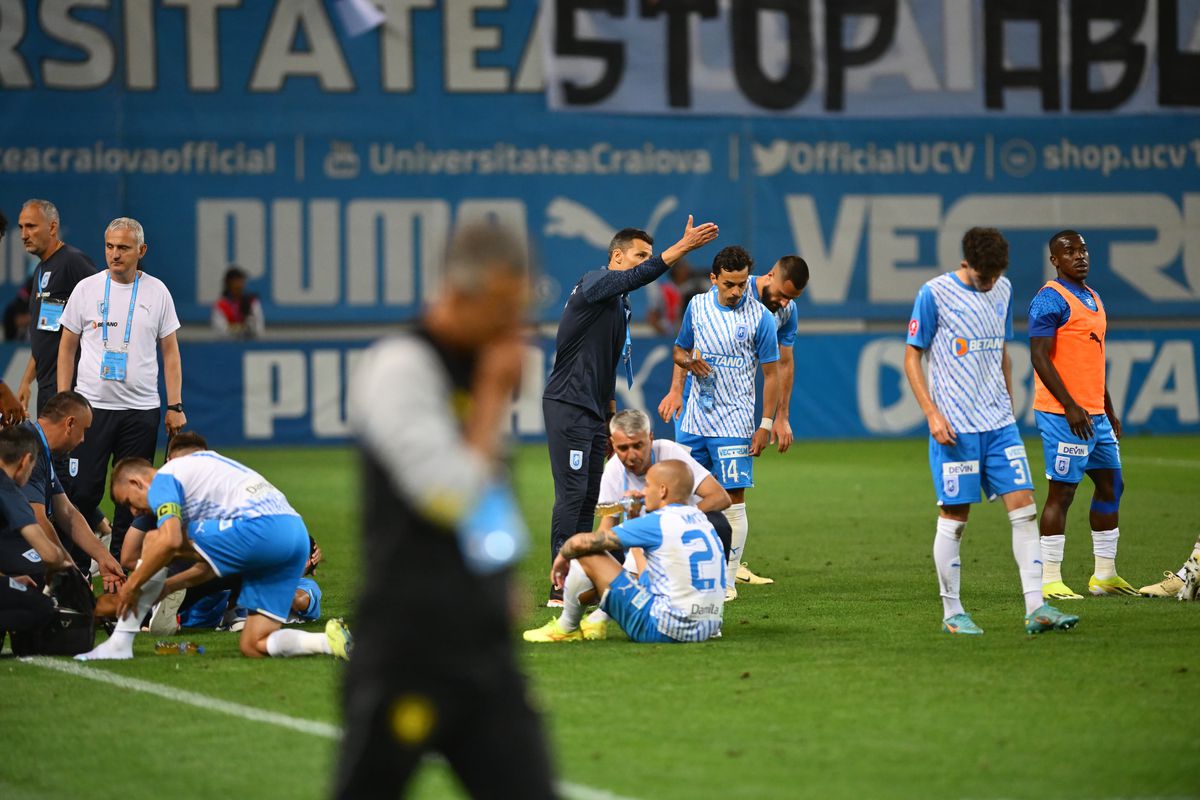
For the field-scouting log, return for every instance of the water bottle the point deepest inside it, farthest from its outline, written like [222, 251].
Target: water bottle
[168, 648]
[707, 387]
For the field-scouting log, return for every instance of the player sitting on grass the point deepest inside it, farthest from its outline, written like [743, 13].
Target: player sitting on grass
[962, 319]
[621, 497]
[213, 509]
[680, 594]
[1184, 584]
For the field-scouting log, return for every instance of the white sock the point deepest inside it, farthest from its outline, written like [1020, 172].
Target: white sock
[736, 514]
[1028, 553]
[119, 646]
[1104, 548]
[576, 583]
[598, 616]
[946, 544]
[1052, 557]
[285, 643]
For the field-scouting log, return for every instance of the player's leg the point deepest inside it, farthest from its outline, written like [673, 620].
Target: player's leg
[1106, 532]
[955, 472]
[137, 436]
[1065, 456]
[1006, 474]
[384, 736]
[119, 646]
[577, 587]
[569, 439]
[734, 469]
[629, 604]
[91, 458]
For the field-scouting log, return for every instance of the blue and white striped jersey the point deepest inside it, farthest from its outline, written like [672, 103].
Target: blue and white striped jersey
[733, 341]
[963, 331]
[207, 485]
[685, 570]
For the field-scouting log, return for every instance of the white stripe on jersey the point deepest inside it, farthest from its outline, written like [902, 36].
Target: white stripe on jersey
[966, 378]
[689, 557]
[216, 487]
[726, 339]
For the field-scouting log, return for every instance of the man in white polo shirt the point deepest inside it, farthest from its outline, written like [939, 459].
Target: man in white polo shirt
[116, 320]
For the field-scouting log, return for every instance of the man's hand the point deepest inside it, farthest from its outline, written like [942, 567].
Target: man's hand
[174, 422]
[558, 571]
[1079, 422]
[111, 573]
[697, 366]
[127, 599]
[940, 430]
[671, 406]
[781, 434]
[314, 558]
[1116, 425]
[23, 394]
[24, 580]
[11, 409]
[759, 442]
[695, 237]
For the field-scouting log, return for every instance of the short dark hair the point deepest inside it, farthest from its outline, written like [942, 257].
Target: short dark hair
[64, 404]
[627, 236]
[795, 271]
[17, 441]
[986, 250]
[128, 464]
[1060, 235]
[186, 440]
[732, 259]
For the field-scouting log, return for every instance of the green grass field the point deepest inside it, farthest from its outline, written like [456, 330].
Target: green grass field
[834, 682]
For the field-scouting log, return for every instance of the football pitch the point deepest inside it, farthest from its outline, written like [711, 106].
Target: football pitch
[834, 682]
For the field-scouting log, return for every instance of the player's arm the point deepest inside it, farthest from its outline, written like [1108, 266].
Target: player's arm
[1006, 368]
[762, 436]
[1077, 418]
[781, 432]
[196, 574]
[713, 496]
[131, 548]
[600, 540]
[1111, 413]
[939, 426]
[83, 537]
[11, 409]
[68, 346]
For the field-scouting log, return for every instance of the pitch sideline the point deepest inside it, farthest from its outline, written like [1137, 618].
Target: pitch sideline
[573, 791]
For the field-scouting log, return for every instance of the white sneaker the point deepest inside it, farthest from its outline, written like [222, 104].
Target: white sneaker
[730, 593]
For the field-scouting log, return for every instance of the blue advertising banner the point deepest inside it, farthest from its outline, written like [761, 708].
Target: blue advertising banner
[847, 386]
[331, 168]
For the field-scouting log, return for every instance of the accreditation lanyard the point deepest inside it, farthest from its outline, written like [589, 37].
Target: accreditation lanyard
[128, 319]
[49, 311]
[49, 465]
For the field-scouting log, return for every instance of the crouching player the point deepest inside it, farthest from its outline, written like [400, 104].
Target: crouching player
[214, 510]
[680, 595]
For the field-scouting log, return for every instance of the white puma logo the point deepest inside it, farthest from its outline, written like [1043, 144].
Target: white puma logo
[572, 220]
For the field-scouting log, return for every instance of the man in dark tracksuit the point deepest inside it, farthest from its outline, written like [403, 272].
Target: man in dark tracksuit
[593, 338]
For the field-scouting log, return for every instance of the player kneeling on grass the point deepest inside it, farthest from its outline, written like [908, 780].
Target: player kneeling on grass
[216, 511]
[962, 320]
[680, 595]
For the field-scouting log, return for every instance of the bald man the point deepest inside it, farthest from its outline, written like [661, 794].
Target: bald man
[680, 595]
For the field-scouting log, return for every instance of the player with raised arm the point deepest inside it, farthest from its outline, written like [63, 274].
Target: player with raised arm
[962, 319]
[216, 511]
[622, 497]
[731, 333]
[1075, 417]
[679, 596]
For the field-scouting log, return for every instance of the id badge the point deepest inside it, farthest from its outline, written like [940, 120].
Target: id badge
[50, 315]
[112, 365]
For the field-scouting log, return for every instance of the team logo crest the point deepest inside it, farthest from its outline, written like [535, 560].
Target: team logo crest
[950, 485]
[45, 279]
[913, 327]
[741, 333]
[73, 467]
[1062, 465]
[576, 459]
[1000, 309]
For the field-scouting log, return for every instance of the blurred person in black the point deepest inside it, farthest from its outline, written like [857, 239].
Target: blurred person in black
[11, 409]
[429, 409]
[592, 345]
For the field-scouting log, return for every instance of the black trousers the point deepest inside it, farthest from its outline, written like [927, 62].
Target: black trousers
[115, 434]
[27, 610]
[578, 442]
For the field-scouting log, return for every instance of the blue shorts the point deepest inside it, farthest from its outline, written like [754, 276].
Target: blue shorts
[268, 552]
[629, 604]
[1067, 456]
[727, 458]
[994, 461]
